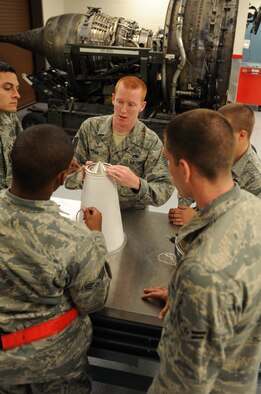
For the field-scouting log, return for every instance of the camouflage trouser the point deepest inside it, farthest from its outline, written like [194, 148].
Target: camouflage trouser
[59, 386]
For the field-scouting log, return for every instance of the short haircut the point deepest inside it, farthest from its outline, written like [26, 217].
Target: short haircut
[203, 137]
[132, 82]
[241, 117]
[5, 68]
[39, 154]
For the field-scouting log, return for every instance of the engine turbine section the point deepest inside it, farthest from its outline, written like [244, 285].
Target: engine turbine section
[185, 65]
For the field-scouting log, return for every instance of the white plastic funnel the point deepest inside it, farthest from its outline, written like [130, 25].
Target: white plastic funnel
[100, 191]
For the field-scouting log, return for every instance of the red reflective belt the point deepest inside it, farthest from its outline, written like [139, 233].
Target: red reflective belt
[39, 331]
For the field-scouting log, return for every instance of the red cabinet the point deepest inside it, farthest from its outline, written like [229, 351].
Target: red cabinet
[249, 86]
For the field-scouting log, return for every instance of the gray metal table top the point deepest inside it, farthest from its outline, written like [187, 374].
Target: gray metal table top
[145, 261]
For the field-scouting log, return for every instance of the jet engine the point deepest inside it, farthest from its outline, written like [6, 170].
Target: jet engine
[185, 65]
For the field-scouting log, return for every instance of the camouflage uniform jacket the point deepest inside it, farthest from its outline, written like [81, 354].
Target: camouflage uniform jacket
[141, 151]
[211, 340]
[246, 172]
[10, 127]
[48, 264]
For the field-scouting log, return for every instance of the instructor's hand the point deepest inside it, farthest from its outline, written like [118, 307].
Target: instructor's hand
[124, 176]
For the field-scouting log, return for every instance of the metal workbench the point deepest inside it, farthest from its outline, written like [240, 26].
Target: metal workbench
[128, 328]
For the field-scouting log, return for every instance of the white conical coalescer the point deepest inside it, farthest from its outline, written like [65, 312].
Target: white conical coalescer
[100, 191]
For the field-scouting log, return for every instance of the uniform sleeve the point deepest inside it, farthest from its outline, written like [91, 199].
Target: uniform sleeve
[196, 331]
[90, 275]
[156, 183]
[2, 168]
[254, 186]
[11, 130]
[249, 177]
[74, 180]
[19, 127]
[185, 201]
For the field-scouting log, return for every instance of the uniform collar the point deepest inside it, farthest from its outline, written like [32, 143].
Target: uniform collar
[210, 213]
[134, 136]
[32, 205]
[239, 166]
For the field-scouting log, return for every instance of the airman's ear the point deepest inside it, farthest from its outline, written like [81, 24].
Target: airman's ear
[113, 98]
[143, 105]
[243, 135]
[186, 169]
[63, 176]
[60, 179]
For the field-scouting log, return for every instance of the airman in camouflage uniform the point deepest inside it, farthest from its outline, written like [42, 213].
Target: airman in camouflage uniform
[246, 170]
[135, 153]
[10, 126]
[48, 265]
[211, 340]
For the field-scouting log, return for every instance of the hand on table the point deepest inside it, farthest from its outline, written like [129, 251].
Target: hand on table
[158, 292]
[181, 215]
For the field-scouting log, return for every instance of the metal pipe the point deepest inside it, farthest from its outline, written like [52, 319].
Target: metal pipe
[183, 58]
[165, 47]
[187, 93]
